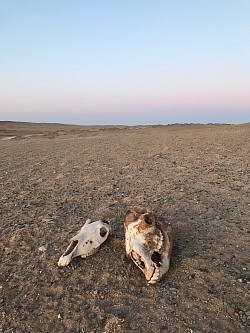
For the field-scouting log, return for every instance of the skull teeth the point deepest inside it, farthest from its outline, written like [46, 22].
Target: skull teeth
[156, 275]
[160, 244]
[89, 254]
[137, 260]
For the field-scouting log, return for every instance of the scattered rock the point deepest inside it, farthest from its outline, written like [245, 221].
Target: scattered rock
[7, 250]
[48, 187]
[43, 248]
[204, 269]
[60, 177]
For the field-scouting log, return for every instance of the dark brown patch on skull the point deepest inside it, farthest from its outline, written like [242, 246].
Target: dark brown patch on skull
[151, 240]
[147, 222]
[167, 232]
[133, 213]
[131, 217]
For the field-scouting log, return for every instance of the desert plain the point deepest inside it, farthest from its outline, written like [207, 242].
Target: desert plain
[53, 177]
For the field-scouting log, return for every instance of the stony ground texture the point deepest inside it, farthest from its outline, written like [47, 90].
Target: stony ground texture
[54, 177]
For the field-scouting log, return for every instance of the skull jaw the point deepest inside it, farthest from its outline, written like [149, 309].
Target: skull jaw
[154, 270]
[145, 264]
[64, 260]
[90, 253]
[72, 252]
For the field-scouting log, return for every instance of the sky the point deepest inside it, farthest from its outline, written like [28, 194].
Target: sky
[125, 61]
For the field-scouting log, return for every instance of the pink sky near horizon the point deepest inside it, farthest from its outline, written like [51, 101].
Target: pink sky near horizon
[115, 99]
[133, 62]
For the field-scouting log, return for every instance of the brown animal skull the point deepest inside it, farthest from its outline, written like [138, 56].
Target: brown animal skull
[148, 243]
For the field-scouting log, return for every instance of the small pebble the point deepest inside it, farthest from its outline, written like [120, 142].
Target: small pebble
[42, 248]
[204, 269]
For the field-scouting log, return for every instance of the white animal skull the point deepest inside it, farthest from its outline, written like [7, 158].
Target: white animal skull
[86, 242]
[148, 243]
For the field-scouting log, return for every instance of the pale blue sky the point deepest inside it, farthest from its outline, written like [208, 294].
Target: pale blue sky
[125, 62]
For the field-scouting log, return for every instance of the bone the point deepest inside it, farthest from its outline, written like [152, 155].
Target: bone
[87, 241]
[148, 242]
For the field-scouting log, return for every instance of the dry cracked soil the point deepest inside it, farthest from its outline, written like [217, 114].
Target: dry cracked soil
[53, 177]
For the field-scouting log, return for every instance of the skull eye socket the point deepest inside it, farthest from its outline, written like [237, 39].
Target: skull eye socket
[103, 232]
[105, 221]
[156, 258]
[147, 219]
[71, 247]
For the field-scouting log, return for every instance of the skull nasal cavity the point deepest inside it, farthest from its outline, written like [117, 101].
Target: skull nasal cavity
[71, 247]
[147, 219]
[103, 232]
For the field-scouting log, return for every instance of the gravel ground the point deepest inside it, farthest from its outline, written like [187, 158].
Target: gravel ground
[54, 177]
